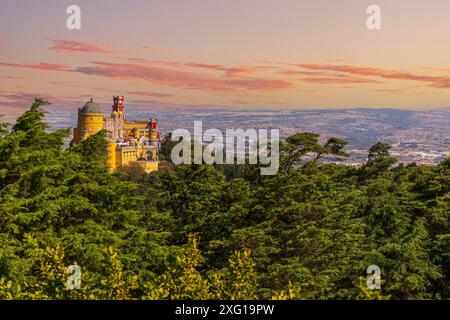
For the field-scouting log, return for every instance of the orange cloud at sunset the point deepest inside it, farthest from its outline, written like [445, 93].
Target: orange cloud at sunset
[228, 71]
[149, 94]
[434, 81]
[72, 47]
[22, 99]
[39, 66]
[182, 79]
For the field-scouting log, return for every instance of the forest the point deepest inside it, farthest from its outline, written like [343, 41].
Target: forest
[217, 231]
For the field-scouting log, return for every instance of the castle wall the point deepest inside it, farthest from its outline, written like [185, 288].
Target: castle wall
[147, 166]
[111, 150]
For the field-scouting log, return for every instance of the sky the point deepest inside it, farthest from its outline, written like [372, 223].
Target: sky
[242, 54]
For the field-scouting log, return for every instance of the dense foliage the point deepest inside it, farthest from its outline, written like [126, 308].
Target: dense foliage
[217, 232]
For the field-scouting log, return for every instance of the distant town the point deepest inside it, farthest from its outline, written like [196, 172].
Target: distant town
[422, 137]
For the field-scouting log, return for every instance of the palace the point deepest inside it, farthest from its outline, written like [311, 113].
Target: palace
[130, 143]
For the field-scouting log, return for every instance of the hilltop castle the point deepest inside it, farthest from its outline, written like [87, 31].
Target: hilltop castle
[130, 143]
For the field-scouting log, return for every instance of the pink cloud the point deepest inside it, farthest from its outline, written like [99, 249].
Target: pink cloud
[334, 80]
[73, 47]
[137, 59]
[442, 85]
[17, 100]
[65, 84]
[228, 71]
[391, 91]
[434, 81]
[326, 77]
[17, 97]
[39, 66]
[21, 100]
[176, 78]
[150, 94]
[10, 77]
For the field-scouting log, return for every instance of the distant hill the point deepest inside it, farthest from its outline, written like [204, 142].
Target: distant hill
[427, 131]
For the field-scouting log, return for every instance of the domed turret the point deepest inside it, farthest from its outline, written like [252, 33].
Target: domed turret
[90, 121]
[91, 107]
